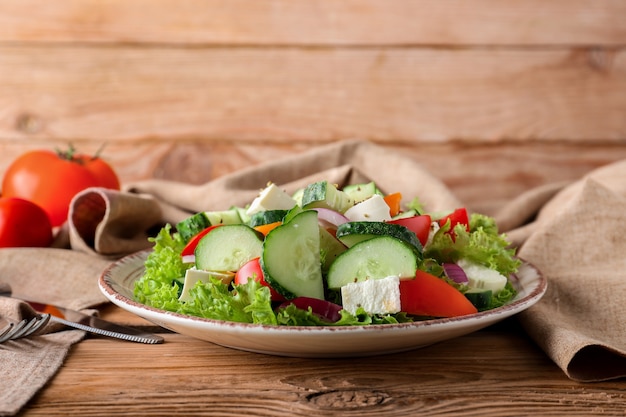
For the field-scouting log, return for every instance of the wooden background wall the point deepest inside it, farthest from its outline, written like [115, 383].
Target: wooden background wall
[495, 97]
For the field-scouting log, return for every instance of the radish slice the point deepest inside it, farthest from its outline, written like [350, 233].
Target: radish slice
[330, 218]
[455, 273]
[323, 309]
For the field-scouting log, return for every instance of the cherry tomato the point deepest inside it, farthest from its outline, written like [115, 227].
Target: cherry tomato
[427, 295]
[51, 179]
[251, 269]
[23, 224]
[420, 225]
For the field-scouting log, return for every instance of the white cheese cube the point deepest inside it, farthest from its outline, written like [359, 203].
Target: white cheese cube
[374, 209]
[271, 198]
[193, 275]
[376, 296]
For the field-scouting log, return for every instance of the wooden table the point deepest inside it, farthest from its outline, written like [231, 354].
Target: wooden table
[494, 372]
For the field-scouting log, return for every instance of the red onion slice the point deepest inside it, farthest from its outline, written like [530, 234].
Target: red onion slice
[455, 273]
[330, 218]
[324, 309]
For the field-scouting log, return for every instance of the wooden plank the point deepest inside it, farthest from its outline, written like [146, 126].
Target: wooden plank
[320, 22]
[291, 94]
[485, 177]
[501, 373]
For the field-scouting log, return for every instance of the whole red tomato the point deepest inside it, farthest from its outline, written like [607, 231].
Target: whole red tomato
[51, 179]
[23, 224]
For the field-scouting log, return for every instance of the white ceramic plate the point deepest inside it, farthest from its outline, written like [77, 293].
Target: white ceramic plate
[117, 283]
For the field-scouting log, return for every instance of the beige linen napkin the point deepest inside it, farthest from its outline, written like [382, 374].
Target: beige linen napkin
[578, 241]
[58, 276]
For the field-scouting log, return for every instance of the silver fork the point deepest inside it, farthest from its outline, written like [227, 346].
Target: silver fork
[24, 328]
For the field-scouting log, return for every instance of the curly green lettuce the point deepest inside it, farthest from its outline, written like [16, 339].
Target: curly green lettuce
[483, 245]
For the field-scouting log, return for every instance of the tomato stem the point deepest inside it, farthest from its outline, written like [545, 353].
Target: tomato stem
[70, 154]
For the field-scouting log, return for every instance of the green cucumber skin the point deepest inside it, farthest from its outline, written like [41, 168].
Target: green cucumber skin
[267, 217]
[192, 225]
[325, 195]
[291, 257]
[375, 258]
[351, 233]
[228, 247]
[480, 300]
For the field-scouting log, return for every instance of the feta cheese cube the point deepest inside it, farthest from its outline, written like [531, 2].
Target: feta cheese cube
[271, 198]
[376, 296]
[374, 209]
[193, 275]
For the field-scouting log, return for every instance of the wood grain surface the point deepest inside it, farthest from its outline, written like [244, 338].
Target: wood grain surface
[321, 22]
[494, 372]
[494, 97]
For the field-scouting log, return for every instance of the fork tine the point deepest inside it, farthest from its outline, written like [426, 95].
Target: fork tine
[24, 328]
[41, 323]
[6, 331]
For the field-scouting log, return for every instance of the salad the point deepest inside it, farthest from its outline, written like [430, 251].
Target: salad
[326, 256]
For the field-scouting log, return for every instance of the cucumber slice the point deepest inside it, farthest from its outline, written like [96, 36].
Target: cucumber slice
[228, 247]
[361, 192]
[406, 214]
[243, 214]
[325, 195]
[482, 278]
[330, 248]
[375, 258]
[223, 217]
[481, 300]
[192, 225]
[267, 217]
[292, 213]
[351, 233]
[291, 257]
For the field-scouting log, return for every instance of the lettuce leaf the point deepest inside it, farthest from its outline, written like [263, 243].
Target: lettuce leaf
[163, 278]
[482, 245]
[246, 303]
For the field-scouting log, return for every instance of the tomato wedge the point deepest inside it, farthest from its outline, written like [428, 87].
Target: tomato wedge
[427, 295]
[252, 269]
[420, 225]
[458, 216]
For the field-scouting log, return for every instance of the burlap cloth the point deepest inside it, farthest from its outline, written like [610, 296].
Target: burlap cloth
[574, 233]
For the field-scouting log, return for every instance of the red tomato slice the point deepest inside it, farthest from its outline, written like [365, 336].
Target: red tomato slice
[427, 295]
[252, 269]
[189, 249]
[457, 216]
[420, 225]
